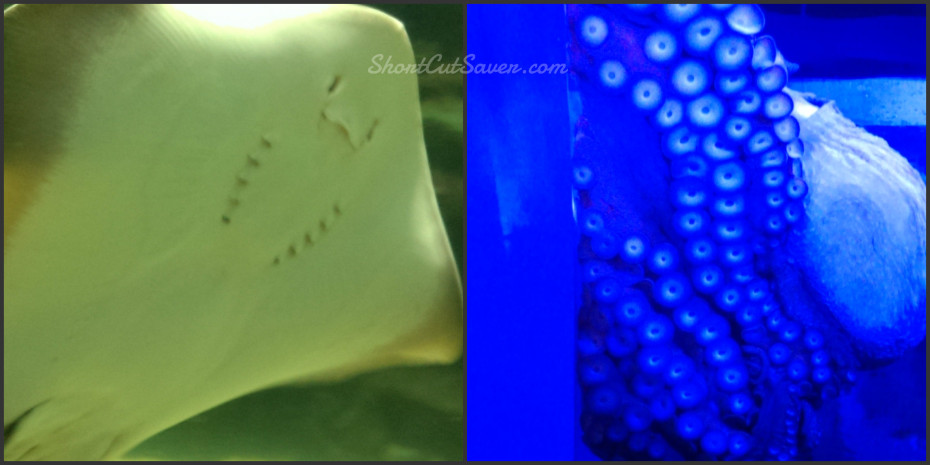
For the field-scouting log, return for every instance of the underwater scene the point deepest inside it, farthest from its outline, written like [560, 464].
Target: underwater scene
[400, 413]
[228, 235]
[702, 237]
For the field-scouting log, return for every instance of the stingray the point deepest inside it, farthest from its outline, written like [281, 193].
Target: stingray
[205, 201]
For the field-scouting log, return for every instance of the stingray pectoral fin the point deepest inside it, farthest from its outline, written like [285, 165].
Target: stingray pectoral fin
[419, 276]
[208, 201]
[436, 340]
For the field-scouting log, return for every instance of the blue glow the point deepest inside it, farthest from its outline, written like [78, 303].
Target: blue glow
[653, 174]
[521, 238]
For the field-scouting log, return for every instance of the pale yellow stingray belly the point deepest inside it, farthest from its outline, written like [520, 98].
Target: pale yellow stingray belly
[197, 209]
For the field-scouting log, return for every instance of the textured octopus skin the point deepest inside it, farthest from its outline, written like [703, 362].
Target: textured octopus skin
[723, 287]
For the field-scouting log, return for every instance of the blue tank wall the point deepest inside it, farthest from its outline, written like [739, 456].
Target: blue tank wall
[520, 252]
